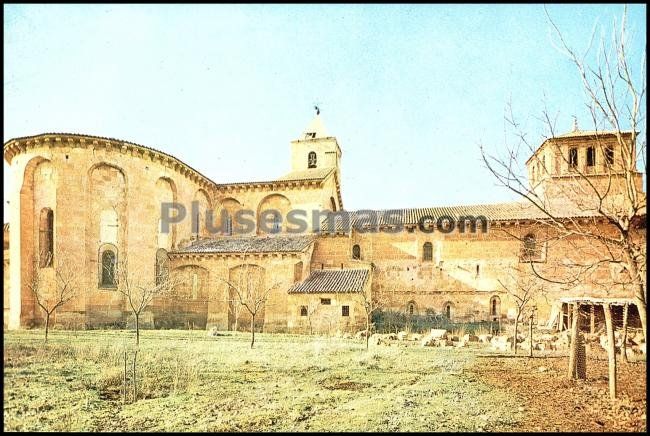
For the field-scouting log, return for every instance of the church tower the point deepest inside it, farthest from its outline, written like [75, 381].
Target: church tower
[315, 149]
[568, 168]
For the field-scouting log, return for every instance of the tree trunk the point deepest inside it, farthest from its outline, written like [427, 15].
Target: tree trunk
[573, 350]
[530, 336]
[514, 340]
[367, 331]
[135, 384]
[253, 330]
[641, 306]
[47, 324]
[137, 329]
[611, 351]
[124, 399]
[624, 338]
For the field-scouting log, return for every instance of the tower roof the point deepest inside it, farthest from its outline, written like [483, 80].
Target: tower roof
[315, 129]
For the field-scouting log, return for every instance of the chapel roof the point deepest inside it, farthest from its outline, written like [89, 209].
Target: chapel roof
[332, 281]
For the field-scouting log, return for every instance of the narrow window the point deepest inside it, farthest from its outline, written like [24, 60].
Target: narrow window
[108, 263]
[356, 252]
[427, 252]
[195, 286]
[303, 310]
[345, 310]
[478, 270]
[311, 159]
[411, 309]
[573, 157]
[448, 311]
[325, 301]
[228, 226]
[591, 156]
[46, 238]
[493, 309]
[609, 155]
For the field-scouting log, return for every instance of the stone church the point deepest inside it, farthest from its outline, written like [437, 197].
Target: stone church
[99, 201]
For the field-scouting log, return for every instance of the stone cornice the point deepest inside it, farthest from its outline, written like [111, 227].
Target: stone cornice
[16, 146]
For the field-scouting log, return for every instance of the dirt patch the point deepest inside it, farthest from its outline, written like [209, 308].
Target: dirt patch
[552, 402]
[345, 385]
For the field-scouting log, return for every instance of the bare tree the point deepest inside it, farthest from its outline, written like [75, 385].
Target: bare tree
[372, 303]
[523, 287]
[609, 240]
[139, 290]
[235, 308]
[54, 285]
[312, 307]
[250, 290]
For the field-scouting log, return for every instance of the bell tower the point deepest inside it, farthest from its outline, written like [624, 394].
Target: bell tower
[315, 149]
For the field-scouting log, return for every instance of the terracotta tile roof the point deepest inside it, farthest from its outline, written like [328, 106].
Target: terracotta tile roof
[332, 281]
[493, 212]
[249, 244]
[304, 175]
[310, 174]
[578, 133]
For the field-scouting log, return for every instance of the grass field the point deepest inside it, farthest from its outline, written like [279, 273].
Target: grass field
[190, 382]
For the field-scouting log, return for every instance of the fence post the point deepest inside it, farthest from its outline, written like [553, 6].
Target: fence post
[611, 350]
[574, 341]
[135, 385]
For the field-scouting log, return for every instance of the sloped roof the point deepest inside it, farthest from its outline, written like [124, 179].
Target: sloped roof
[310, 174]
[249, 244]
[316, 127]
[332, 281]
[492, 212]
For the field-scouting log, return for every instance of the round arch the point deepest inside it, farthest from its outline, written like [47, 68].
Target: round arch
[278, 203]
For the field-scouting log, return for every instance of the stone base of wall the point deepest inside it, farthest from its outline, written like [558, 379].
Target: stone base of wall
[179, 320]
[70, 321]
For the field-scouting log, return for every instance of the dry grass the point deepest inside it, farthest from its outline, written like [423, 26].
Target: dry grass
[190, 382]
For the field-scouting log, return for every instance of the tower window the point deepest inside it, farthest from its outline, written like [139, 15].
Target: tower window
[427, 252]
[573, 157]
[345, 310]
[311, 159]
[609, 155]
[325, 301]
[591, 156]
[356, 252]
[303, 310]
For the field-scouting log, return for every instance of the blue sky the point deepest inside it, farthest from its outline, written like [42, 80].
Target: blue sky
[410, 91]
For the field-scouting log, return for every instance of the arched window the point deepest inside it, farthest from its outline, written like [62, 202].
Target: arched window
[46, 238]
[448, 310]
[303, 310]
[356, 252]
[410, 308]
[494, 306]
[427, 252]
[311, 159]
[162, 266]
[108, 262]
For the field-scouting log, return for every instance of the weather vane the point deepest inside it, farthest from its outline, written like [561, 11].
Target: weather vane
[317, 110]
